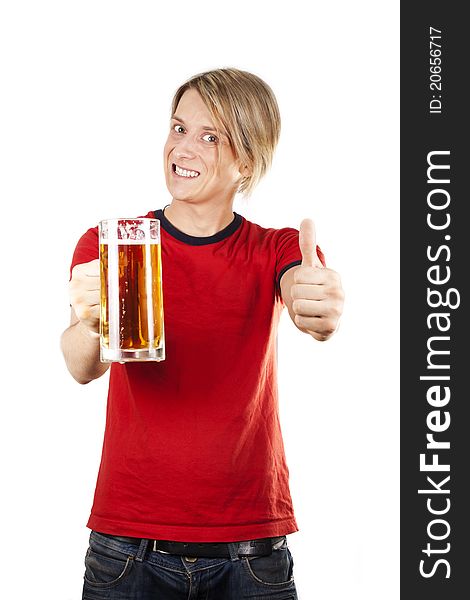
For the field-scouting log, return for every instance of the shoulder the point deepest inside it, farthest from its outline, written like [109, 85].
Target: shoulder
[87, 248]
[271, 235]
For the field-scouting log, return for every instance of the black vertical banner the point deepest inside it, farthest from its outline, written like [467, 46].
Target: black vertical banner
[435, 346]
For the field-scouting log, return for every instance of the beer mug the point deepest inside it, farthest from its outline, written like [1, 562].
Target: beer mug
[131, 311]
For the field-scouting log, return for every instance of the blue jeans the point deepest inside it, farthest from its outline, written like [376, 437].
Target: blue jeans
[119, 570]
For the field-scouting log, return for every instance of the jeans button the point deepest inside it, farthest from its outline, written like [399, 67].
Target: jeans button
[190, 559]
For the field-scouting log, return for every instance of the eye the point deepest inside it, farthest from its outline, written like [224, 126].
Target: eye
[209, 137]
[178, 128]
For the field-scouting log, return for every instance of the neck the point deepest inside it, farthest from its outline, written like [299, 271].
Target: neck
[199, 219]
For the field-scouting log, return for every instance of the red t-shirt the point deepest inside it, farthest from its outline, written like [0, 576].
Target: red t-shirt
[192, 447]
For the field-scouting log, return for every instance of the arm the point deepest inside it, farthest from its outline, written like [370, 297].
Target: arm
[312, 293]
[80, 341]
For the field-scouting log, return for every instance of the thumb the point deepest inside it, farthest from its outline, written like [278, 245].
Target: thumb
[308, 244]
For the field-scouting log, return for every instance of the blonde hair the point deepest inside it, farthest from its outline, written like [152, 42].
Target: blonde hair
[244, 106]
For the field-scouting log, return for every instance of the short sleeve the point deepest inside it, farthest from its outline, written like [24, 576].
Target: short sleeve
[288, 253]
[86, 249]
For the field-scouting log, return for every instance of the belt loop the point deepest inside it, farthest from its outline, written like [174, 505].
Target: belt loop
[142, 549]
[233, 549]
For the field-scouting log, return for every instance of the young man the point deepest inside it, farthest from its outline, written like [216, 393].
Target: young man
[192, 498]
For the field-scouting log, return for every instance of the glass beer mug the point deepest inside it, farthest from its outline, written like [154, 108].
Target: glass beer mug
[131, 312]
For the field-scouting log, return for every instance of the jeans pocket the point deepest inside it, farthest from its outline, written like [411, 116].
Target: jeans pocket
[274, 570]
[105, 568]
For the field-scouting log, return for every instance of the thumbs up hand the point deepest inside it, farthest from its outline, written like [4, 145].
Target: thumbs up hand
[316, 292]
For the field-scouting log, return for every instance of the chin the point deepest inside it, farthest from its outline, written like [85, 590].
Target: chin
[181, 197]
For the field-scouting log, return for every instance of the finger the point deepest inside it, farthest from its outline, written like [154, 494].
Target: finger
[85, 298]
[309, 323]
[319, 327]
[307, 242]
[301, 291]
[90, 298]
[311, 308]
[85, 284]
[89, 269]
[89, 315]
[312, 276]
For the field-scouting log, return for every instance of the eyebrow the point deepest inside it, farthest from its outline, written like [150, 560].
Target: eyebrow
[204, 127]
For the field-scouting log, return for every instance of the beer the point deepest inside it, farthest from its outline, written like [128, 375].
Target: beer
[131, 317]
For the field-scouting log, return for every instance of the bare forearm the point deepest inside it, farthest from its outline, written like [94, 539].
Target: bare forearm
[81, 351]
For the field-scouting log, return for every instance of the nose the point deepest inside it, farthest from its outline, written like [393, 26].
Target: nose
[184, 148]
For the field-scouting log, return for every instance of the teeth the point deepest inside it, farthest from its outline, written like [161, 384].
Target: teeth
[185, 173]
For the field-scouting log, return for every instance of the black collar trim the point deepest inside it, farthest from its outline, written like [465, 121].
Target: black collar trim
[194, 240]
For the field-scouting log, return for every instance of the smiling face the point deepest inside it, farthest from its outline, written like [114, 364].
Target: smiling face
[200, 165]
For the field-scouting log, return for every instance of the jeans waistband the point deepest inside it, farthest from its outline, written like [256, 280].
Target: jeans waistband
[256, 547]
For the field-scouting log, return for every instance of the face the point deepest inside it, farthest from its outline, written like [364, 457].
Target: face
[193, 170]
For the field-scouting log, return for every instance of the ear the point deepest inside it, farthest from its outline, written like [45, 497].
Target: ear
[245, 170]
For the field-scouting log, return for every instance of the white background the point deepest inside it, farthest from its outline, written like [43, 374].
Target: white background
[85, 103]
